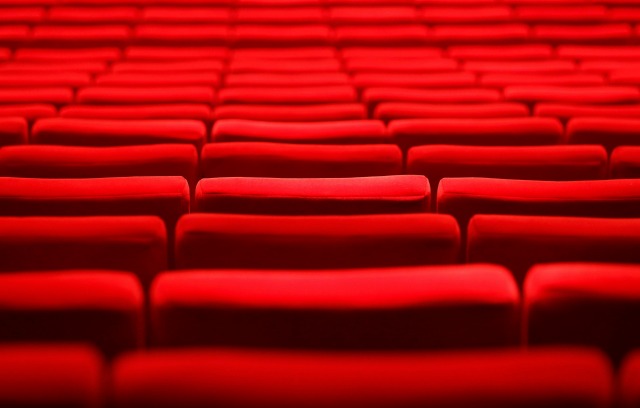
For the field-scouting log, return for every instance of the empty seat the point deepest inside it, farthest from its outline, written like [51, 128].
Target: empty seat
[366, 195]
[210, 66]
[40, 376]
[502, 52]
[92, 15]
[103, 308]
[395, 308]
[181, 34]
[315, 242]
[13, 131]
[69, 162]
[28, 111]
[506, 162]
[412, 80]
[519, 242]
[609, 132]
[67, 54]
[307, 14]
[561, 14]
[479, 132]
[625, 162]
[286, 80]
[502, 80]
[465, 197]
[565, 111]
[586, 304]
[261, 159]
[551, 66]
[374, 96]
[15, 34]
[89, 66]
[406, 34]
[388, 111]
[168, 53]
[342, 132]
[136, 244]
[166, 197]
[261, 64]
[572, 94]
[188, 15]
[44, 79]
[107, 95]
[22, 15]
[480, 33]
[390, 52]
[5, 54]
[629, 381]
[103, 132]
[158, 79]
[372, 64]
[349, 15]
[250, 35]
[289, 54]
[53, 96]
[614, 52]
[196, 111]
[74, 36]
[465, 15]
[552, 378]
[584, 33]
[292, 113]
[308, 95]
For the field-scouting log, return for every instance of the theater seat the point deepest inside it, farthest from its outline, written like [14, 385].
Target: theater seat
[295, 14]
[103, 132]
[266, 35]
[609, 132]
[158, 79]
[425, 66]
[136, 244]
[547, 378]
[365, 195]
[46, 55]
[629, 381]
[264, 64]
[582, 33]
[567, 111]
[465, 197]
[315, 242]
[377, 35]
[44, 79]
[166, 197]
[30, 112]
[53, 96]
[293, 113]
[572, 94]
[586, 304]
[173, 15]
[625, 162]
[210, 66]
[286, 80]
[261, 159]
[195, 111]
[208, 33]
[477, 132]
[308, 95]
[103, 308]
[80, 36]
[40, 376]
[374, 96]
[458, 79]
[501, 52]
[404, 308]
[107, 95]
[168, 53]
[506, 162]
[13, 131]
[390, 52]
[339, 132]
[507, 33]
[388, 111]
[92, 15]
[69, 162]
[519, 242]
[62, 65]
[502, 80]
[289, 54]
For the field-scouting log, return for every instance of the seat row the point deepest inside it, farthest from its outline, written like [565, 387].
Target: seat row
[74, 376]
[393, 308]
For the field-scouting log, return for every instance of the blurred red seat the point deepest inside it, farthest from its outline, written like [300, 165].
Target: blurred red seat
[107, 95]
[572, 94]
[625, 162]
[195, 111]
[13, 131]
[388, 111]
[609, 132]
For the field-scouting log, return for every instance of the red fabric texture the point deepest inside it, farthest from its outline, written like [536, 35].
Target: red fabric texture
[292, 113]
[625, 162]
[13, 131]
[609, 132]
[629, 381]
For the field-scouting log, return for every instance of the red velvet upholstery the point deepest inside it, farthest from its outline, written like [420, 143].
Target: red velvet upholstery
[173, 14]
[181, 34]
[389, 111]
[44, 79]
[308, 95]
[583, 304]
[67, 162]
[363, 35]
[267, 35]
[281, 15]
[43, 376]
[67, 54]
[414, 80]
[159, 79]
[290, 54]
[625, 162]
[265, 64]
[30, 112]
[128, 243]
[366, 195]
[189, 66]
[293, 113]
[552, 378]
[568, 111]
[339, 132]
[286, 80]
[315, 242]
[54, 96]
[588, 33]
[629, 381]
[374, 96]
[519, 242]
[13, 131]
[609, 132]
[261, 159]
[405, 308]
[572, 94]
[104, 308]
[159, 53]
[195, 111]
[107, 95]
[500, 52]
[80, 36]
[104, 132]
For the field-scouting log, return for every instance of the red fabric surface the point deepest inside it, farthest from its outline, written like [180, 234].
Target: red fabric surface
[195, 111]
[293, 113]
[609, 132]
[389, 111]
[625, 162]
[13, 131]
[629, 381]
[104, 95]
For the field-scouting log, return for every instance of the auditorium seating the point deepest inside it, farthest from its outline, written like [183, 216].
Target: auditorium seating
[628, 381]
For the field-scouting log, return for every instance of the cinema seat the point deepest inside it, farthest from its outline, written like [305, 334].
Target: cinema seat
[262, 159]
[181, 34]
[292, 113]
[551, 66]
[583, 33]
[478, 132]
[53, 96]
[502, 52]
[195, 111]
[70, 162]
[629, 381]
[549, 378]
[308, 95]
[103, 308]
[92, 15]
[285, 80]
[135, 244]
[44, 79]
[103, 132]
[14, 35]
[382, 35]
[166, 197]
[388, 111]
[609, 132]
[290, 54]
[338, 196]
[581, 14]
[80, 36]
[625, 162]
[273, 15]
[586, 304]
[168, 53]
[565, 112]
[558, 163]
[588, 52]
[572, 94]
[107, 95]
[396, 308]
[170, 66]
[339, 132]
[92, 67]
[158, 79]
[367, 15]
[371, 64]
[13, 131]
[39, 376]
[502, 80]
[465, 15]
[266, 35]
[519, 242]
[260, 64]
[29, 111]
[189, 15]
[22, 15]
[480, 33]
[390, 52]
[458, 79]
[373, 96]
[315, 242]
[67, 54]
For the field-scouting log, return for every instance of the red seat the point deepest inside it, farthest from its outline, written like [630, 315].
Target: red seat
[552, 378]
[519, 242]
[371, 64]
[374, 96]
[13, 131]
[398, 35]
[290, 54]
[182, 34]
[135, 244]
[413, 80]
[106, 95]
[268, 35]
[67, 54]
[42, 376]
[103, 308]
[502, 80]
[5, 54]
[262, 159]
[340, 132]
[502, 52]
[292, 113]
[158, 79]
[565, 111]
[586, 52]
[465, 15]
[307, 14]
[388, 111]
[315, 242]
[92, 15]
[480, 33]
[103, 132]
[392, 308]
[609, 132]
[551, 66]
[629, 381]
[366, 195]
[480, 132]
[68, 162]
[52, 96]
[84, 36]
[595, 305]
[390, 14]
[186, 15]
[625, 162]
[308, 95]
[164, 53]
[581, 14]
[72, 65]
[209, 65]
[594, 33]
[14, 34]
[390, 52]
[292, 66]
[22, 15]
[572, 94]
[43, 80]
[29, 111]
[195, 111]
[465, 197]
[286, 80]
